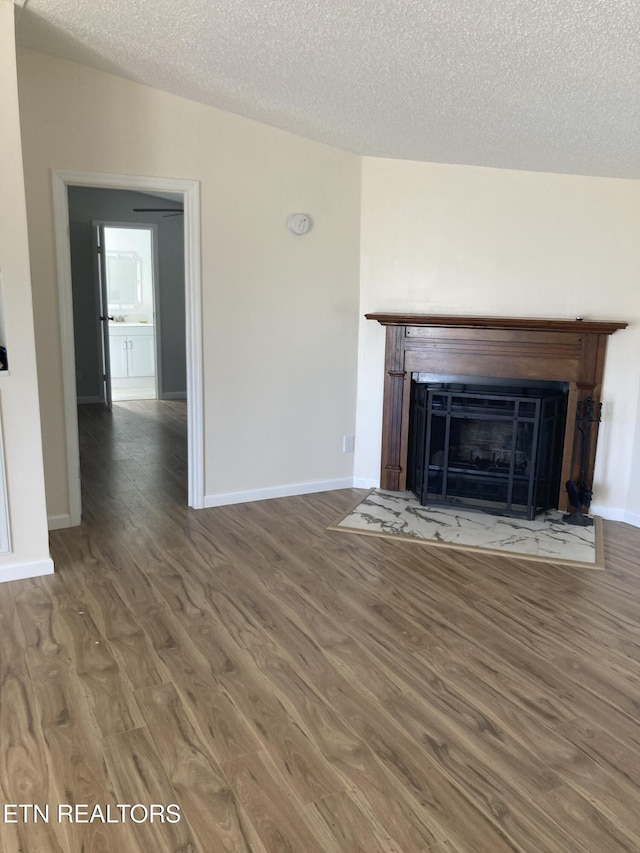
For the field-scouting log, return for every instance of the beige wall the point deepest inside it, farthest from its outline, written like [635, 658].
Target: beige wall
[279, 312]
[18, 389]
[468, 240]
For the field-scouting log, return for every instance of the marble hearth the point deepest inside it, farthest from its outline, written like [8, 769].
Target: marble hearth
[399, 516]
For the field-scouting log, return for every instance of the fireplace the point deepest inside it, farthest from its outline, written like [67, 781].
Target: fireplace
[509, 349]
[495, 447]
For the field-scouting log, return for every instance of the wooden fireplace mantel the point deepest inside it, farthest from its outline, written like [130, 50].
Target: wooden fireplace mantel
[513, 323]
[571, 351]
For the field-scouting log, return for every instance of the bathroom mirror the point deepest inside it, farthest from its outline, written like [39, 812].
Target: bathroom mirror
[124, 281]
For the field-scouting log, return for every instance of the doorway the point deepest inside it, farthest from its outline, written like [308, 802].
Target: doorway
[127, 284]
[189, 191]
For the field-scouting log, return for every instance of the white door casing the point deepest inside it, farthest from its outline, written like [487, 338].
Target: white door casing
[193, 305]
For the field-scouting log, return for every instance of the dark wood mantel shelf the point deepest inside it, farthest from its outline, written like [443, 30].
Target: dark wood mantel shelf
[516, 323]
[560, 350]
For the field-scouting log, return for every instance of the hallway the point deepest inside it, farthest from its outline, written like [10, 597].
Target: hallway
[132, 461]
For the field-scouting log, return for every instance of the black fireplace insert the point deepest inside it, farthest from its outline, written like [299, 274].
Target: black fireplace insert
[495, 448]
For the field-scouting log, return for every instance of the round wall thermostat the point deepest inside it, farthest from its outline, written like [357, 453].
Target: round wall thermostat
[299, 224]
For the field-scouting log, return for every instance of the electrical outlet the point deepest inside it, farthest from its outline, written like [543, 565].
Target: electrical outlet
[348, 442]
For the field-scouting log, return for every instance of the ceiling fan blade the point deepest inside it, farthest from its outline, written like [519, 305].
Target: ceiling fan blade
[176, 211]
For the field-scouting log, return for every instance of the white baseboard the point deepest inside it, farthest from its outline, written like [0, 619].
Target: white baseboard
[58, 522]
[277, 492]
[97, 399]
[173, 395]
[606, 512]
[615, 514]
[632, 518]
[365, 483]
[22, 571]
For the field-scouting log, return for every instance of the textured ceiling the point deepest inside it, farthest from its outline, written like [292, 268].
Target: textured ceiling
[551, 85]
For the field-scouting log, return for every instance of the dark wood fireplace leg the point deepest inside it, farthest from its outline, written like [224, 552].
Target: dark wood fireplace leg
[392, 475]
[588, 387]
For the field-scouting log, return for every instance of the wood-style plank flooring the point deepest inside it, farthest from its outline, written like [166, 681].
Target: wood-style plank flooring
[295, 689]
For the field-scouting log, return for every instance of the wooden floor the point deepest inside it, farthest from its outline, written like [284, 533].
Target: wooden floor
[294, 689]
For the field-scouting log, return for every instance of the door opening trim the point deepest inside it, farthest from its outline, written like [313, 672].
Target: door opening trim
[193, 310]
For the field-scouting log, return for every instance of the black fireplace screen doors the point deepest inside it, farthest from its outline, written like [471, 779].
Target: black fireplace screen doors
[495, 448]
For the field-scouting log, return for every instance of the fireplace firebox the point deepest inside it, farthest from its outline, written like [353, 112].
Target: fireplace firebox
[492, 447]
